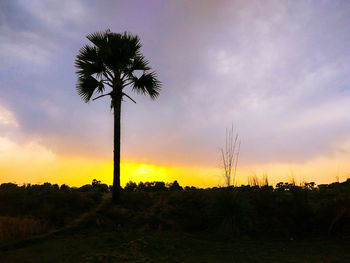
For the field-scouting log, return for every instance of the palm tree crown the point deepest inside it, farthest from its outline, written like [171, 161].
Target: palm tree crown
[113, 61]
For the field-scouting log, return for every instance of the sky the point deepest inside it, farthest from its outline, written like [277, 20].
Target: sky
[278, 71]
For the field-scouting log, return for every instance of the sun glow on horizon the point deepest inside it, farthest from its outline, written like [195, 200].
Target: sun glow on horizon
[77, 172]
[35, 164]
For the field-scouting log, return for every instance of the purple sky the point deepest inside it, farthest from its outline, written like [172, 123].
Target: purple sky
[278, 70]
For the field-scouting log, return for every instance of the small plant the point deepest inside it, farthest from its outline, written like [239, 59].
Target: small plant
[230, 156]
[255, 181]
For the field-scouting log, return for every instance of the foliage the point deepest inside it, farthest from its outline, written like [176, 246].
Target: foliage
[16, 227]
[29, 209]
[287, 211]
[152, 187]
[114, 61]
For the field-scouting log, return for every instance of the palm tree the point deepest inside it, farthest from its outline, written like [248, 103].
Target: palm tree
[114, 61]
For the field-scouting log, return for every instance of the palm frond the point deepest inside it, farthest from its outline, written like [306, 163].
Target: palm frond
[137, 63]
[111, 57]
[87, 86]
[147, 84]
[134, 40]
[121, 51]
[88, 62]
[99, 39]
[140, 63]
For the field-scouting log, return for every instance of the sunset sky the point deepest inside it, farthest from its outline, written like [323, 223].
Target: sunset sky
[279, 71]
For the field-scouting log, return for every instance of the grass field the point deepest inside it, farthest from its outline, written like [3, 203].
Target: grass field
[96, 244]
[50, 224]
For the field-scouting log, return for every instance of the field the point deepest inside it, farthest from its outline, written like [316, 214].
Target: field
[105, 245]
[164, 223]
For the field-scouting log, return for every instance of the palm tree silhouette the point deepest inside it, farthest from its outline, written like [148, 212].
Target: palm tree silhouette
[114, 60]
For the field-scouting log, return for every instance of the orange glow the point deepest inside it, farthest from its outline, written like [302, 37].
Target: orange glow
[77, 172]
[196, 176]
[33, 163]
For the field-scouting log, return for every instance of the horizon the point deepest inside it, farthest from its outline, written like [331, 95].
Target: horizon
[279, 72]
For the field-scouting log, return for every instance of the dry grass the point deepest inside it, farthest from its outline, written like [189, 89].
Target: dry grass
[254, 180]
[12, 228]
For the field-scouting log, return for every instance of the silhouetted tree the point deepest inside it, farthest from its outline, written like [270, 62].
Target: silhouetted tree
[174, 186]
[130, 187]
[114, 60]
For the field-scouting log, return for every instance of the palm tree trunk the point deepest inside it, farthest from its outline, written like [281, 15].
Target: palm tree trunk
[117, 101]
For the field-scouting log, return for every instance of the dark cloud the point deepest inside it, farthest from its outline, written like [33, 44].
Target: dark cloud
[279, 71]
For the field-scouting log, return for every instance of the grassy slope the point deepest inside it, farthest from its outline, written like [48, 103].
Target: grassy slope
[149, 227]
[96, 244]
[97, 238]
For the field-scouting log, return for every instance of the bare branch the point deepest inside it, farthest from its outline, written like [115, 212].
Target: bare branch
[108, 76]
[230, 156]
[108, 82]
[237, 155]
[102, 96]
[124, 94]
[126, 84]
[123, 77]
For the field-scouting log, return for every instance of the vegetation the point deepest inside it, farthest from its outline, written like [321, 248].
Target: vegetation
[230, 156]
[114, 61]
[33, 209]
[165, 222]
[106, 244]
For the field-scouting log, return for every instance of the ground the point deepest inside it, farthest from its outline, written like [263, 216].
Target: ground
[173, 226]
[96, 244]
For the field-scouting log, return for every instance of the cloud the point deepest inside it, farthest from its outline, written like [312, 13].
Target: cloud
[7, 118]
[55, 14]
[279, 71]
[25, 47]
[12, 153]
